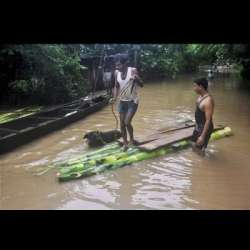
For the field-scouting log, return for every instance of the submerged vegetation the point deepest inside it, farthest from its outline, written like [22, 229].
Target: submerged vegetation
[12, 114]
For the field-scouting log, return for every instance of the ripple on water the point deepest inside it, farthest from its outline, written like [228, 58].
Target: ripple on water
[164, 184]
[42, 162]
[70, 153]
[99, 189]
[79, 204]
[99, 125]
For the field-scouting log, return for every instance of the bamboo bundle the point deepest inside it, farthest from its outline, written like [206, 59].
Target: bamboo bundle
[111, 157]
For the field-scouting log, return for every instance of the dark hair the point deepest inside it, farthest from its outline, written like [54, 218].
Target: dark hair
[202, 82]
[122, 58]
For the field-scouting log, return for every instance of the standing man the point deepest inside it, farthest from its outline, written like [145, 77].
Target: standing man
[203, 116]
[125, 90]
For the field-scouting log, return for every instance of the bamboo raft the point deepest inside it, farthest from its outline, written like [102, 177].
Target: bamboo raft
[111, 156]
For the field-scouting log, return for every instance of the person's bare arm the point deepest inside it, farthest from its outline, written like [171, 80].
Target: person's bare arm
[138, 79]
[208, 109]
[115, 89]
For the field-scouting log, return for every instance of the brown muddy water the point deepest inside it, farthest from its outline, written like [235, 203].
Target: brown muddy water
[182, 180]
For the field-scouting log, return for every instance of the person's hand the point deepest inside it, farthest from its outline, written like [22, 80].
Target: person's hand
[138, 80]
[112, 100]
[200, 141]
[135, 76]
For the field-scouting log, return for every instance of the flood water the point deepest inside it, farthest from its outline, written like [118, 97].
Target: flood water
[182, 180]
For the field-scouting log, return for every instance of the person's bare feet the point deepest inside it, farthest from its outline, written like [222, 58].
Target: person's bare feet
[198, 150]
[125, 147]
[133, 143]
[201, 152]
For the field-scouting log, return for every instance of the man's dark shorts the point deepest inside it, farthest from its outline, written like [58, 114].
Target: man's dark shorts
[196, 135]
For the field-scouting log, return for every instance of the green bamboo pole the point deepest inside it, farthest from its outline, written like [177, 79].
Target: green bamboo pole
[117, 159]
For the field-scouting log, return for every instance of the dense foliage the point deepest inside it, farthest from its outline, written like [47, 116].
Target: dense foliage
[40, 73]
[52, 73]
